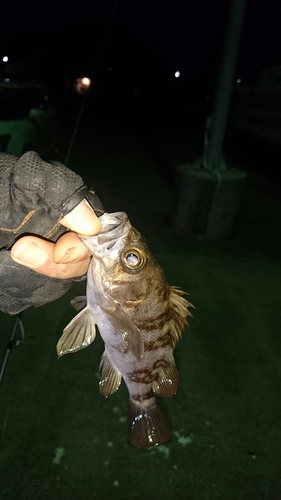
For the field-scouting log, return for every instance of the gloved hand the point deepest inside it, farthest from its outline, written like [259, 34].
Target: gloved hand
[38, 201]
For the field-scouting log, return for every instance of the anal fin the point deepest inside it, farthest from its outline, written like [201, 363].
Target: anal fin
[166, 385]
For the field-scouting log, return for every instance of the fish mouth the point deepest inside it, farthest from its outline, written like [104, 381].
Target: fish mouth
[105, 245]
[113, 229]
[112, 221]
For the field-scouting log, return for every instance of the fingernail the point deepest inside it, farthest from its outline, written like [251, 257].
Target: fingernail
[30, 255]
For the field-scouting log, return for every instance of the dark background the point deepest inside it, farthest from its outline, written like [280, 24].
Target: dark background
[131, 50]
[66, 37]
[136, 45]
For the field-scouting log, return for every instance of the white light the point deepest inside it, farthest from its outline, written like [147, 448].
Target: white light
[86, 81]
[5, 59]
[238, 80]
[177, 74]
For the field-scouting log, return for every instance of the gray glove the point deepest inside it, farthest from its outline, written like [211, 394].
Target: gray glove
[34, 196]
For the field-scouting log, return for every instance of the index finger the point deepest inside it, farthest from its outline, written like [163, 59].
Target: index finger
[82, 219]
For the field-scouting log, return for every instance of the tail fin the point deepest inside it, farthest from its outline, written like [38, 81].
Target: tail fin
[148, 426]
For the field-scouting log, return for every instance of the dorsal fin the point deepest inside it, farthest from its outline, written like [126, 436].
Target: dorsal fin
[179, 312]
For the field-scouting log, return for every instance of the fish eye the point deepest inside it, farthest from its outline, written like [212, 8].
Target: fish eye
[133, 257]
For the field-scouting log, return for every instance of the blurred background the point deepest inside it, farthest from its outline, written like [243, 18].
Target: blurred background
[149, 67]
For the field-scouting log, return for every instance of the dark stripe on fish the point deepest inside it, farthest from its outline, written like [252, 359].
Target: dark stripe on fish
[140, 398]
[149, 324]
[164, 340]
[144, 376]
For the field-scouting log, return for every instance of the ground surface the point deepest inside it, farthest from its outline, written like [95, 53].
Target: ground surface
[59, 439]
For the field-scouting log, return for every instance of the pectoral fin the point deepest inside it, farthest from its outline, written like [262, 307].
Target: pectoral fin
[79, 302]
[110, 377]
[79, 333]
[126, 328]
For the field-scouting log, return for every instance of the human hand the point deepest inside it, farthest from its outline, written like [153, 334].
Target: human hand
[68, 257]
[38, 257]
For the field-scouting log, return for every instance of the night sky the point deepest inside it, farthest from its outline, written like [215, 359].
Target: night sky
[143, 38]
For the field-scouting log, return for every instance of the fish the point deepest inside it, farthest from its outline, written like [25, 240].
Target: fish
[140, 318]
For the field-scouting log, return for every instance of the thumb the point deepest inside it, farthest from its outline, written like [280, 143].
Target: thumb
[37, 254]
[69, 248]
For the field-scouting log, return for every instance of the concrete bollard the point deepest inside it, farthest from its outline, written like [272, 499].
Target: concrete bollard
[205, 202]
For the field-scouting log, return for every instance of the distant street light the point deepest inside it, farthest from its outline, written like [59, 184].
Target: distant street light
[86, 82]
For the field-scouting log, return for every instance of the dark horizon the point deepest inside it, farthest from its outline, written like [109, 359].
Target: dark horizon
[140, 40]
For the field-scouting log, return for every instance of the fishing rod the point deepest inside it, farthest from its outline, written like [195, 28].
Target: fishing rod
[18, 327]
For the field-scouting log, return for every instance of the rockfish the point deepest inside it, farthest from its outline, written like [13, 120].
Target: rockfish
[140, 319]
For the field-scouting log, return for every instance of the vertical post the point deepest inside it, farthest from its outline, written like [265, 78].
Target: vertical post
[18, 324]
[213, 152]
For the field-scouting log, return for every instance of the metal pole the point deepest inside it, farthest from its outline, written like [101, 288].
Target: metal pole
[213, 152]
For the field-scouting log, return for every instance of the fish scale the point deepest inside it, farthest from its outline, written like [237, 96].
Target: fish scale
[140, 318]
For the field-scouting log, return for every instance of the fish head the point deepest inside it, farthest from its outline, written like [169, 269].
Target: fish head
[105, 246]
[121, 256]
